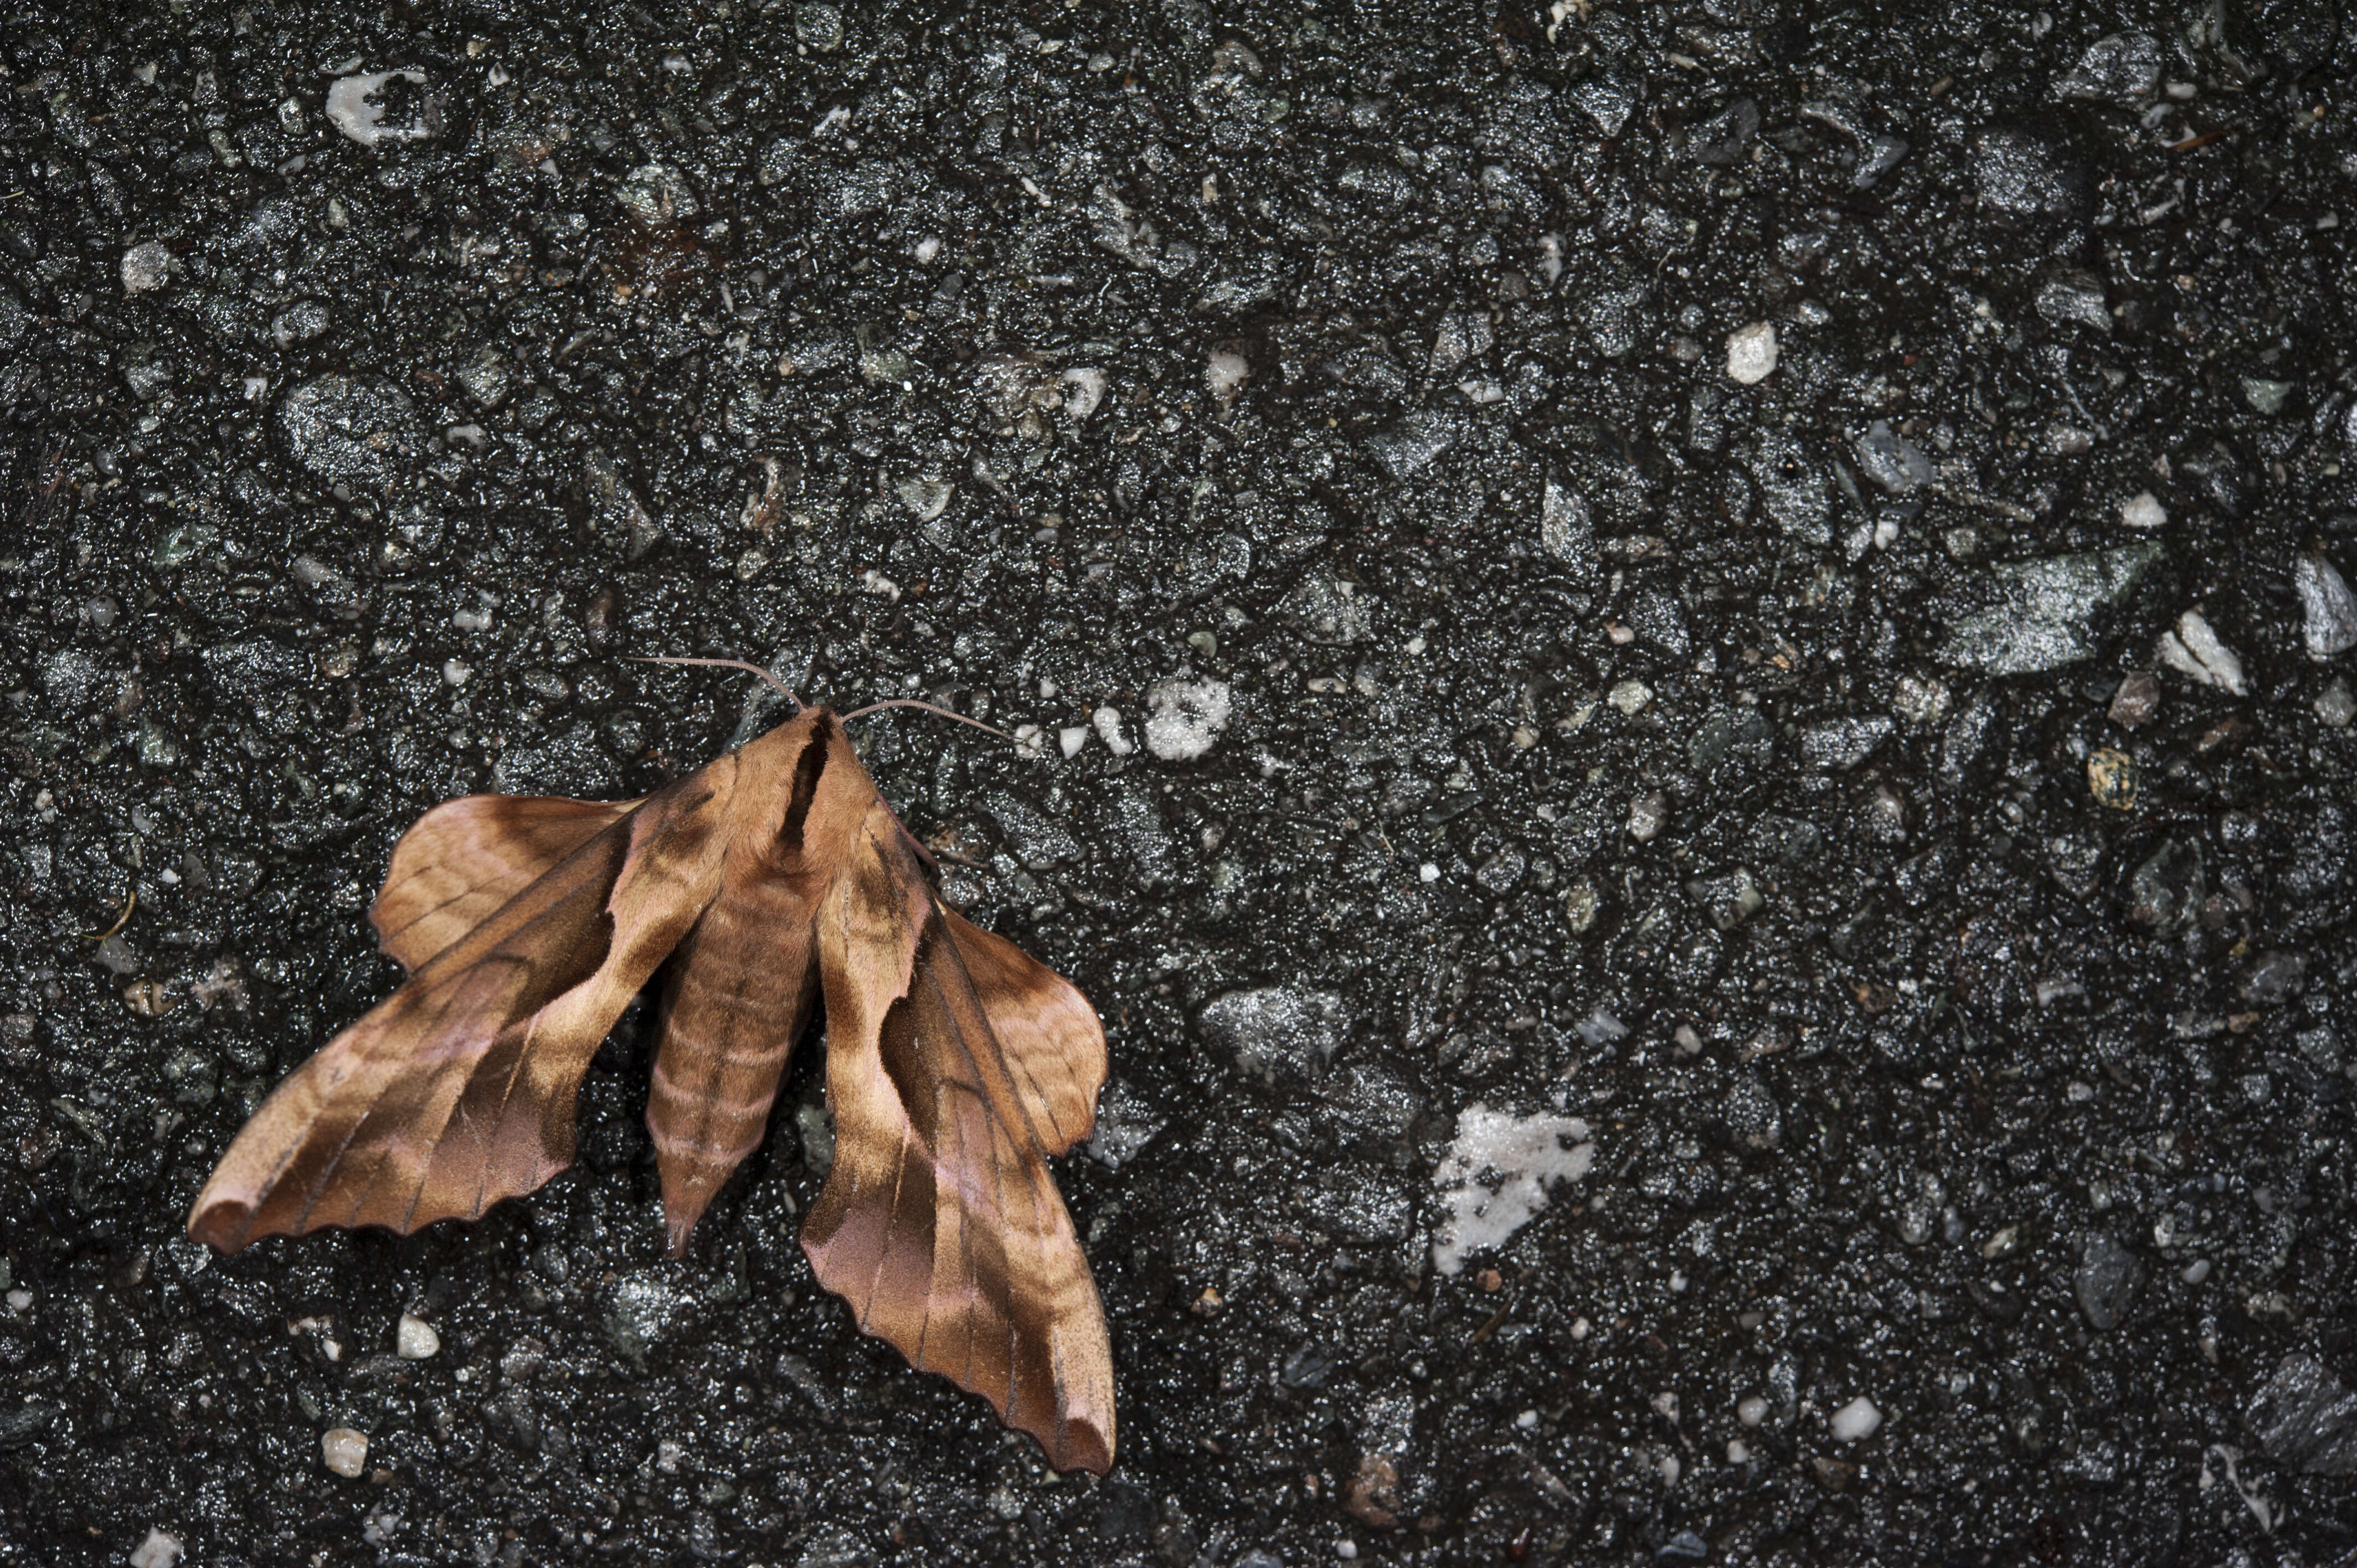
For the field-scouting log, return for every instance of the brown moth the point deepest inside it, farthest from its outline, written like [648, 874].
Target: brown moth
[760, 884]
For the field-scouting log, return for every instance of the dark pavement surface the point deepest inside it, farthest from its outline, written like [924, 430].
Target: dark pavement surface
[1845, 869]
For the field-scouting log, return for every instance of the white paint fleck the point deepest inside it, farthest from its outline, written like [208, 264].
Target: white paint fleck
[160, 1550]
[1108, 723]
[2142, 510]
[1496, 1174]
[2193, 650]
[345, 1450]
[1184, 717]
[349, 111]
[414, 1339]
[1751, 353]
[1225, 375]
[1857, 1421]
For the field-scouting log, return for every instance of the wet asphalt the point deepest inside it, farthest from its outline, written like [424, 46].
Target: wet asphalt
[1682, 684]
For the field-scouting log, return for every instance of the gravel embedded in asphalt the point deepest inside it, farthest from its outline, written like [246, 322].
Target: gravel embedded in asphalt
[1766, 581]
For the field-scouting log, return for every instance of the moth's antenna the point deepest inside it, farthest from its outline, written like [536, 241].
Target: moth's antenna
[913, 703]
[722, 665]
[130, 902]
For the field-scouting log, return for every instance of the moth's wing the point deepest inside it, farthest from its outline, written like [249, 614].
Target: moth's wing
[462, 860]
[1051, 1038]
[737, 996]
[457, 1089]
[939, 1222]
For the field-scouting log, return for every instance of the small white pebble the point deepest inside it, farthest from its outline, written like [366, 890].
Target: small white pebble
[1071, 738]
[345, 1450]
[1751, 1410]
[1225, 375]
[1737, 1451]
[1427, 871]
[1630, 696]
[1348, 1551]
[333, 1350]
[2337, 704]
[1084, 392]
[927, 249]
[1108, 723]
[19, 1300]
[1857, 1421]
[2196, 1272]
[146, 267]
[2193, 650]
[1527, 1421]
[2142, 510]
[1031, 740]
[1751, 353]
[1580, 1328]
[160, 1550]
[457, 672]
[414, 1339]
